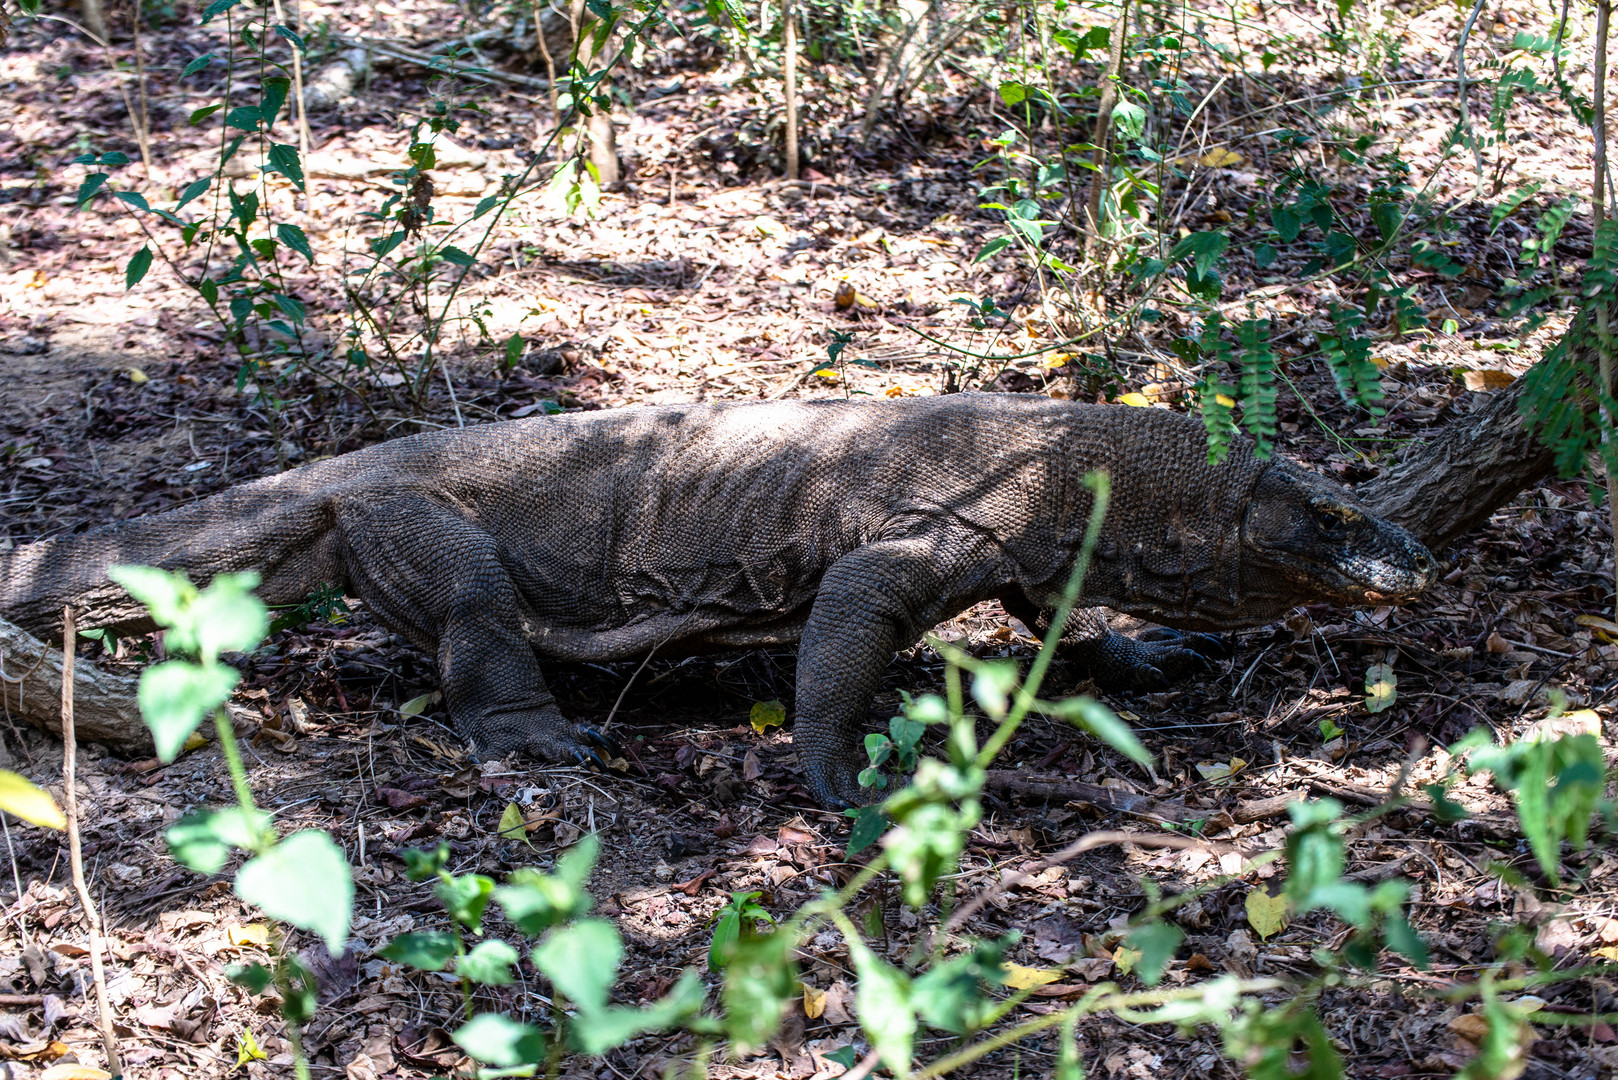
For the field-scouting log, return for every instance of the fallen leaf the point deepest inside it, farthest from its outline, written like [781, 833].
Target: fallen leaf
[74, 1071]
[751, 769]
[1132, 398]
[251, 934]
[1026, 978]
[1470, 1026]
[767, 714]
[1265, 913]
[137, 376]
[512, 825]
[1381, 688]
[814, 1002]
[1220, 158]
[1487, 379]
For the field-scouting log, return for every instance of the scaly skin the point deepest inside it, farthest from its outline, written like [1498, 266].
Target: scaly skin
[851, 527]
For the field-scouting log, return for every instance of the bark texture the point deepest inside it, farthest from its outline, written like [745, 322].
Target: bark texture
[103, 702]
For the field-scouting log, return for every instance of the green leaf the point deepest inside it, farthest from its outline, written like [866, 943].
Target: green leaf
[197, 65]
[597, 1032]
[993, 247]
[581, 961]
[243, 118]
[199, 115]
[1103, 723]
[485, 205]
[294, 237]
[1204, 248]
[139, 263]
[292, 36]
[254, 977]
[464, 897]
[761, 981]
[883, 999]
[89, 186]
[429, 951]
[304, 880]
[1156, 942]
[1013, 93]
[536, 901]
[501, 1041]
[284, 160]
[950, 995]
[132, 198]
[203, 839]
[489, 964]
[174, 698]
[1287, 221]
[1403, 939]
[217, 7]
[1381, 688]
[192, 190]
[291, 306]
[1130, 119]
[421, 864]
[452, 254]
[726, 932]
[869, 825]
[1314, 848]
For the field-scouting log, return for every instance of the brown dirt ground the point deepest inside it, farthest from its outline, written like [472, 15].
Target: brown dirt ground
[725, 291]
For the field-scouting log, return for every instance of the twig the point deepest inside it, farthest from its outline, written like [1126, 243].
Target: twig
[1099, 180]
[142, 120]
[436, 63]
[789, 83]
[1460, 83]
[1598, 210]
[70, 798]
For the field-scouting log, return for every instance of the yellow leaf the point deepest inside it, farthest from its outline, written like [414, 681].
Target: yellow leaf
[1056, 360]
[1126, 959]
[1265, 913]
[1132, 398]
[137, 376]
[1381, 688]
[1219, 772]
[27, 800]
[251, 934]
[247, 1049]
[512, 825]
[767, 714]
[1606, 628]
[829, 374]
[1026, 978]
[814, 1002]
[768, 226]
[1487, 379]
[1226, 400]
[194, 740]
[1606, 952]
[1220, 158]
[72, 1070]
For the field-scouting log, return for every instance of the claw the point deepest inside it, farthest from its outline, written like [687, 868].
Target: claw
[1210, 646]
[601, 739]
[584, 755]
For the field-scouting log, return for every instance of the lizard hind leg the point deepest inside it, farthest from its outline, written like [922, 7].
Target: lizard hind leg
[433, 576]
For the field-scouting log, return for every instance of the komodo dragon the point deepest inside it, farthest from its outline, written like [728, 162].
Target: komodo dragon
[850, 527]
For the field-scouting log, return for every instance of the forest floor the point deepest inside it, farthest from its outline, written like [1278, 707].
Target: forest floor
[705, 278]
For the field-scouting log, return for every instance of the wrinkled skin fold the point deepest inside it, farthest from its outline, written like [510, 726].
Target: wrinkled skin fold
[849, 527]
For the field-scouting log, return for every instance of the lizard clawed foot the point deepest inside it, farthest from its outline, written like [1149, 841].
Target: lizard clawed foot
[1157, 659]
[597, 737]
[586, 756]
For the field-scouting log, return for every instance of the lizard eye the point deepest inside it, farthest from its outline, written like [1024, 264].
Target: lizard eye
[1329, 522]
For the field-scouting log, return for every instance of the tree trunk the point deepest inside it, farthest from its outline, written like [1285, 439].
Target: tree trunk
[1445, 487]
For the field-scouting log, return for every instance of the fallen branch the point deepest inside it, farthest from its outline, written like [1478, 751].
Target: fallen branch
[439, 64]
[1058, 789]
[107, 712]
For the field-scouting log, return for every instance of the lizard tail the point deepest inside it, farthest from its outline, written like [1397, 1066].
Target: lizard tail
[283, 527]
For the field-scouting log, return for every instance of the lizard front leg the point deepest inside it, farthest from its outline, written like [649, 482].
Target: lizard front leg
[872, 602]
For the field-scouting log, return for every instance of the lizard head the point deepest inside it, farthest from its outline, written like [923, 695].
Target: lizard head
[1324, 545]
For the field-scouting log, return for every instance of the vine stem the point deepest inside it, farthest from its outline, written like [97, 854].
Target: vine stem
[70, 798]
[1460, 83]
